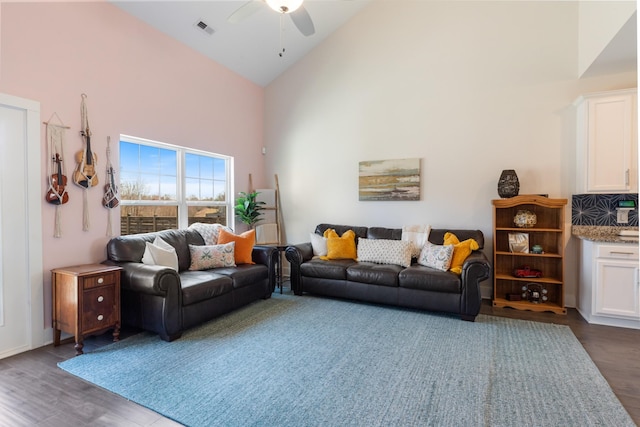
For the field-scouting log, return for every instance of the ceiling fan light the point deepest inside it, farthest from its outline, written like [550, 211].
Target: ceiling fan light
[284, 6]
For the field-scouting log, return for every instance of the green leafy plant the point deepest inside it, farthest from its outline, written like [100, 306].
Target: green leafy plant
[248, 208]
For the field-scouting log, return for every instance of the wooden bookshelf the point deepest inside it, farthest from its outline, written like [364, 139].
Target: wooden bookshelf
[547, 291]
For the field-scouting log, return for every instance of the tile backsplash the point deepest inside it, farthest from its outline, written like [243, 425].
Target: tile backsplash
[600, 209]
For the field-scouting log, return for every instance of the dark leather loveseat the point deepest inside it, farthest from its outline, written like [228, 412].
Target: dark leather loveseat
[413, 287]
[161, 300]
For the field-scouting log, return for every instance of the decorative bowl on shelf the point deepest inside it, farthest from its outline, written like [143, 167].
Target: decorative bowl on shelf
[525, 219]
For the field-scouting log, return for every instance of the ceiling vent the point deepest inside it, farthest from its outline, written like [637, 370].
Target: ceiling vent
[204, 27]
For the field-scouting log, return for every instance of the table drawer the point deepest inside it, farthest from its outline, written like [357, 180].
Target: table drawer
[622, 251]
[99, 280]
[99, 308]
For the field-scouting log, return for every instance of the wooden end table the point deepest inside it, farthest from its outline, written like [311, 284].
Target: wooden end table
[86, 300]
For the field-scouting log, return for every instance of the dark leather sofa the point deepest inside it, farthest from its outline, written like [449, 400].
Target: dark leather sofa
[416, 286]
[161, 300]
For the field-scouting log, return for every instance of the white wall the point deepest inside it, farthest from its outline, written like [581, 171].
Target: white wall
[470, 88]
[599, 22]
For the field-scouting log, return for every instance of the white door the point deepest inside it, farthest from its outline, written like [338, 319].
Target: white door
[21, 295]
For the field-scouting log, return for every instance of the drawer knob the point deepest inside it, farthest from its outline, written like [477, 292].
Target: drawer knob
[100, 298]
[100, 279]
[100, 317]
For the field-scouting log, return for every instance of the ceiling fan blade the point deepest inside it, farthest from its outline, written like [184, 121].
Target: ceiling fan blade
[302, 20]
[245, 11]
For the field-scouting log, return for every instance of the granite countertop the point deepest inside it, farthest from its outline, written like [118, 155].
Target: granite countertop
[603, 234]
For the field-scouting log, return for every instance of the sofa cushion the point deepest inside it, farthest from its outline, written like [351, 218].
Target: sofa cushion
[205, 257]
[202, 285]
[436, 256]
[340, 247]
[429, 279]
[461, 250]
[245, 274]
[374, 274]
[384, 251]
[333, 269]
[244, 244]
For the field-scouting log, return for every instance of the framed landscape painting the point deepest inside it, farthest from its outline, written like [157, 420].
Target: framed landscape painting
[389, 180]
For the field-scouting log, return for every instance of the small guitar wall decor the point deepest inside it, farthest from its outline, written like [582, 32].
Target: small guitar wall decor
[110, 199]
[85, 173]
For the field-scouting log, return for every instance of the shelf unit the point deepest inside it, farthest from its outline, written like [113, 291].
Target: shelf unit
[548, 233]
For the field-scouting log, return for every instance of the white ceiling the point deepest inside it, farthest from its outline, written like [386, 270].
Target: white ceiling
[250, 48]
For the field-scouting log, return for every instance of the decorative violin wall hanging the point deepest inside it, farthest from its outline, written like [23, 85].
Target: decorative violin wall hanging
[56, 177]
[57, 193]
[85, 173]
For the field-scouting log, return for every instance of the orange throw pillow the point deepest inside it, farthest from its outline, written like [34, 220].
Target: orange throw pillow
[244, 244]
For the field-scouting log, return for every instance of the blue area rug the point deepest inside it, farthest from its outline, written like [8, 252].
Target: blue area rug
[305, 361]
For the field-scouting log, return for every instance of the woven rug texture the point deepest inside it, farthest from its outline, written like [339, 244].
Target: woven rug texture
[307, 361]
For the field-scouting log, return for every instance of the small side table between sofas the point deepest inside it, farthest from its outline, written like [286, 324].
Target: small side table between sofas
[86, 300]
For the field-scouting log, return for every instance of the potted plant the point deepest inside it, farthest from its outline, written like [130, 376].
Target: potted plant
[248, 208]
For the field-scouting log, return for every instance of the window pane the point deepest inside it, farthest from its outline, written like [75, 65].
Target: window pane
[129, 157]
[149, 160]
[200, 173]
[146, 219]
[168, 162]
[208, 214]
[219, 169]
[219, 188]
[168, 188]
[130, 187]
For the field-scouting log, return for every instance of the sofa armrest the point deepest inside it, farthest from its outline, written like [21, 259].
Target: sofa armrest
[148, 279]
[267, 255]
[475, 269]
[296, 255]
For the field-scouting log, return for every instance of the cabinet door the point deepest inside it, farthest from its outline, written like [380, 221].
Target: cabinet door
[617, 288]
[610, 143]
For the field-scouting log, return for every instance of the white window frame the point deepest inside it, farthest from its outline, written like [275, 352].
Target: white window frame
[180, 202]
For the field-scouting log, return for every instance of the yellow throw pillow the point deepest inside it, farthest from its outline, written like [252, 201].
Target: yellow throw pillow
[461, 250]
[340, 247]
[244, 244]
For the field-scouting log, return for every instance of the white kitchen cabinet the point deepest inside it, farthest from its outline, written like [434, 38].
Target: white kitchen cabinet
[607, 146]
[609, 292]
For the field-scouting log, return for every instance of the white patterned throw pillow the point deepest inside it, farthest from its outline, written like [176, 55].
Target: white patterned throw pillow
[212, 256]
[209, 232]
[436, 256]
[384, 251]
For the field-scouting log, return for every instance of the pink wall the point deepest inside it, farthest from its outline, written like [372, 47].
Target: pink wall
[139, 82]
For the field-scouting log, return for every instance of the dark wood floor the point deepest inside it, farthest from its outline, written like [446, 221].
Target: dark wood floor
[35, 392]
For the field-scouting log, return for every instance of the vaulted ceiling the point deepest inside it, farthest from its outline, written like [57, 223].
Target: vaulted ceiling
[253, 47]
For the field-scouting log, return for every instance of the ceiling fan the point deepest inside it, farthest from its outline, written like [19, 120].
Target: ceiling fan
[293, 8]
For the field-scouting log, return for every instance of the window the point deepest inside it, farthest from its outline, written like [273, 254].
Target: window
[165, 186]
